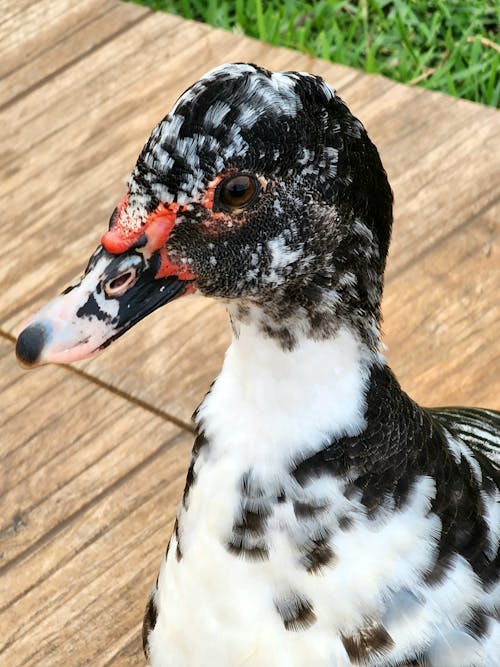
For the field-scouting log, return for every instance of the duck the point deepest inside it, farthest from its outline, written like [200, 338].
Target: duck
[327, 519]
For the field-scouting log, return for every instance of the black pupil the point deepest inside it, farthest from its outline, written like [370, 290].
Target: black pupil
[238, 188]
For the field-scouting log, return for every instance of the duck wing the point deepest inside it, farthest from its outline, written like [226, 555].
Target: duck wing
[479, 429]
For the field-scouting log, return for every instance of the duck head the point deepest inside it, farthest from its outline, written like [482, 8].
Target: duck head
[258, 188]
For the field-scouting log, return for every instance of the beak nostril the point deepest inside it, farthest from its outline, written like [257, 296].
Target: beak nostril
[120, 281]
[119, 285]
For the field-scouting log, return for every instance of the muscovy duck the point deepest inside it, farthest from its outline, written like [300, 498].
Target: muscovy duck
[327, 519]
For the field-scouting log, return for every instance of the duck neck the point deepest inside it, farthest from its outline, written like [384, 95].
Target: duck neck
[279, 404]
[300, 310]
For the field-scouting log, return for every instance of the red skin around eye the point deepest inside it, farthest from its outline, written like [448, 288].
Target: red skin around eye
[208, 197]
[125, 230]
[167, 268]
[226, 219]
[157, 229]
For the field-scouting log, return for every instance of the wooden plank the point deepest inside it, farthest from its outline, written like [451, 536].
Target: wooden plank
[48, 42]
[79, 599]
[64, 443]
[89, 487]
[129, 655]
[442, 158]
[441, 155]
[161, 473]
[442, 318]
[20, 21]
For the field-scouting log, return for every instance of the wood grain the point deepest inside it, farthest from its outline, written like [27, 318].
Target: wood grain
[442, 317]
[89, 488]
[87, 602]
[65, 442]
[46, 45]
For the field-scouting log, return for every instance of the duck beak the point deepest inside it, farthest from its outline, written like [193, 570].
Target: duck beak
[114, 293]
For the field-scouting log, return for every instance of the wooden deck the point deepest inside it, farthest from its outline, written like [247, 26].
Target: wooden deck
[93, 456]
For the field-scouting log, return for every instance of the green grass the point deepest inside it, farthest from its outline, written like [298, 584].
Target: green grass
[449, 46]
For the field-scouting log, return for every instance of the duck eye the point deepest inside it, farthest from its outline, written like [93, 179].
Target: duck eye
[238, 191]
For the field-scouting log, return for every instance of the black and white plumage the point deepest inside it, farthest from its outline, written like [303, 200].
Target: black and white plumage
[327, 519]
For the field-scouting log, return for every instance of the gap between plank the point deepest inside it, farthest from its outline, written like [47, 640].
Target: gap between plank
[75, 29]
[415, 259]
[70, 555]
[41, 82]
[117, 392]
[53, 532]
[128, 647]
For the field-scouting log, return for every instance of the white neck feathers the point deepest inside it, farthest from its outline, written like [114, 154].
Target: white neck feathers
[272, 405]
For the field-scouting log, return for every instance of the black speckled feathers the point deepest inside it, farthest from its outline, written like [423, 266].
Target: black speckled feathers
[401, 443]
